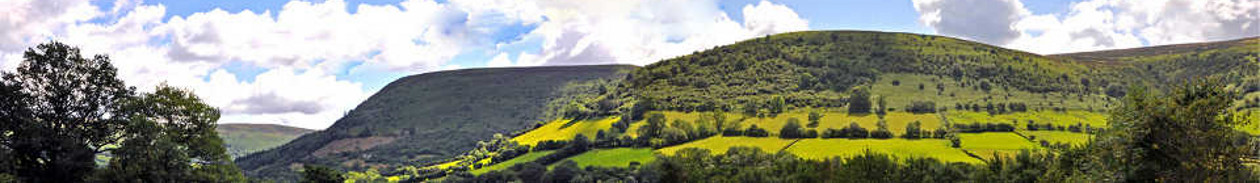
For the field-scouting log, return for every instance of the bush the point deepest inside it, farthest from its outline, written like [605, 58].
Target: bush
[912, 130]
[856, 131]
[814, 119]
[921, 107]
[791, 129]
[754, 131]
[811, 133]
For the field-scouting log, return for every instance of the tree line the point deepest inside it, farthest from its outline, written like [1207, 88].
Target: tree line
[59, 110]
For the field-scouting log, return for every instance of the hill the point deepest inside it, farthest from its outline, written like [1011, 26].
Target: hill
[242, 139]
[427, 117]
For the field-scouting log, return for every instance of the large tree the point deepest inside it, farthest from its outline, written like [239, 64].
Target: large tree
[1186, 135]
[59, 110]
[171, 138]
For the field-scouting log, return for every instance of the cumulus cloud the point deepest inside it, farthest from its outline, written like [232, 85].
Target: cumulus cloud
[1105, 24]
[300, 47]
[642, 32]
[989, 21]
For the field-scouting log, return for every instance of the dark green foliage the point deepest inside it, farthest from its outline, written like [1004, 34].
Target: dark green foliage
[58, 110]
[792, 129]
[321, 174]
[1182, 136]
[853, 131]
[860, 101]
[814, 119]
[754, 131]
[912, 130]
[433, 116]
[919, 107]
[169, 129]
[983, 127]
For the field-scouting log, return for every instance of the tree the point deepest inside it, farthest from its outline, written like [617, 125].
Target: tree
[883, 107]
[655, 123]
[791, 129]
[814, 119]
[1184, 136]
[164, 123]
[912, 130]
[59, 110]
[777, 105]
[860, 101]
[320, 174]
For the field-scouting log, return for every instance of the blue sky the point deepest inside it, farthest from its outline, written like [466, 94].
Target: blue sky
[305, 63]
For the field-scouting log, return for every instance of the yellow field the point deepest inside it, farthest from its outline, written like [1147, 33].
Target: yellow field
[565, 130]
[932, 148]
[832, 118]
[986, 145]
[719, 144]
[1057, 137]
[1093, 119]
[527, 157]
[617, 157]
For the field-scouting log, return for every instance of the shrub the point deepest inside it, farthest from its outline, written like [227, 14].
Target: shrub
[754, 131]
[791, 129]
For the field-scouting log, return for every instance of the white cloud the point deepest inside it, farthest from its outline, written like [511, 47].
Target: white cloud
[982, 20]
[642, 32]
[1102, 24]
[300, 46]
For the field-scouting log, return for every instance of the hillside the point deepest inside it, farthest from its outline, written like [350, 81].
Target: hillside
[995, 102]
[242, 139]
[427, 117]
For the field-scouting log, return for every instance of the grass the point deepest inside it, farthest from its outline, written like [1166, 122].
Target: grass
[818, 149]
[1068, 118]
[907, 91]
[242, 139]
[719, 144]
[1057, 137]
[986, 145]
[616, 157]
[527, 157]
[1253, 127]
[565, 129]
[832, 118]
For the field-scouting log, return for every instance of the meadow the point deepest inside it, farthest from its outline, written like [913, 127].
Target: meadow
[527, 157]
[819, 149]
[565, 129]
[616, 157]
[987, 145]
[719, 144]
[1057, 137]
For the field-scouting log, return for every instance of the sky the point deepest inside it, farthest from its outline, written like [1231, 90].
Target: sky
[306, 63]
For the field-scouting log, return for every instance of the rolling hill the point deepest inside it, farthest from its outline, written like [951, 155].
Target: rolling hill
[992, 100]
[426, 118]
[242, 139]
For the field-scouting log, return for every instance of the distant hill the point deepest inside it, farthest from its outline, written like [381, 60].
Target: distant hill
[242, 139]
[427, 117]
[819, 68]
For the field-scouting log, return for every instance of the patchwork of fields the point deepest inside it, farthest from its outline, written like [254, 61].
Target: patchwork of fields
[975, 147]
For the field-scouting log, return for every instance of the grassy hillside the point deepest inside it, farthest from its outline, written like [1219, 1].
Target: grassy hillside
[427, 117]
[941, 82]
[242, 139]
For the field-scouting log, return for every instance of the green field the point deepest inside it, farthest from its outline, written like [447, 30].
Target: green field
[719, 144]
[932, 148]
[986, 145]
[565, 130]
[1057, 137]
[907, 91]
[1253, 127]
[617, 157]
[832, 118]
[527, 157]
[1068, 118]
